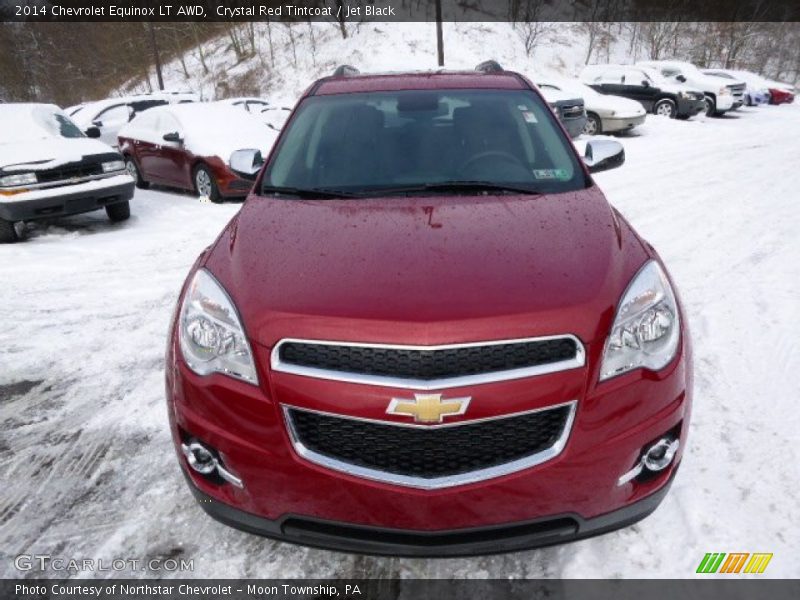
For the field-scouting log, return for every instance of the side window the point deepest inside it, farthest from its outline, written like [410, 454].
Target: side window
[670, 72]
[114, 116]
[612, 76]
[256, 107]
[167, 124]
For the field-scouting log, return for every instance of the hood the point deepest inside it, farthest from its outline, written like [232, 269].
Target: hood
[427, 270]
[47, 153]
[619, 105]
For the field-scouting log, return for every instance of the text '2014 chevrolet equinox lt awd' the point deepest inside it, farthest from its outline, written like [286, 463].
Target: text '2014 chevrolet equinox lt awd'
[427, 332]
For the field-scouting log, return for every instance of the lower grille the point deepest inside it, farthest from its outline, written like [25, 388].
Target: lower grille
[430, 457]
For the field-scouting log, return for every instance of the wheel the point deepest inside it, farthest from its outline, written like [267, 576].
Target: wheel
[665, 108]
[133, 170]
[593, 126]
[8, 233]
[119, 211]
[205, 185]
[711, 106]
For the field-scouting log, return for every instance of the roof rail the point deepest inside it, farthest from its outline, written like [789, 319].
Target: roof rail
[489, 66]
[345, 71]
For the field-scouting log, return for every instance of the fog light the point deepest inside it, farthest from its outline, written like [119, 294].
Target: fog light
[655, 458]
[660, 454]
[202, 460]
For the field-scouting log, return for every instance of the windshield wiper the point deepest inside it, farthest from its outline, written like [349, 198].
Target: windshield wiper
[307, 192]
[458, 186]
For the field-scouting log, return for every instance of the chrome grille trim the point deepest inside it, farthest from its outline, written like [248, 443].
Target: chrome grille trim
[436, 482]
[277, 364]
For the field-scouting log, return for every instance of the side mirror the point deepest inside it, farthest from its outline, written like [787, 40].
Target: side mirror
[602, 155]
[681, 78]
[92, 132]
[645, 83]
[173, 136]
[246, 163]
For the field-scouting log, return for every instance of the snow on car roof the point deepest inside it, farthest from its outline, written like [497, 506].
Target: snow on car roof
[214, 129]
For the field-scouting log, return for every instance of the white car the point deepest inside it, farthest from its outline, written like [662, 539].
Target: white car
[111, 114]
[274, 116]
[604, 113]
[49, 168]
[721, 95]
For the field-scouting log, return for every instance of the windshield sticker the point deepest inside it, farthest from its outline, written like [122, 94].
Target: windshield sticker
[529, 117]
[560, 174]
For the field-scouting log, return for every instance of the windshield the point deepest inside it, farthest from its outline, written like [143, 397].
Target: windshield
[403, 140]
[23, 123]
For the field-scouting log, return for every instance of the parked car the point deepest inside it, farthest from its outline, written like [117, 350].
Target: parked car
[274, 116]
[646, 86]
[721, 95]
[110, 115]
[604, 114]
[50, 168]
[757, 90]
[426, 301]
[569, 109]
[189, 146]
[780, 93]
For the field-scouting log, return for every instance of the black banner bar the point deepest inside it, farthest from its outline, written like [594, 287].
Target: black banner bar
[713, 588]
[398, 10]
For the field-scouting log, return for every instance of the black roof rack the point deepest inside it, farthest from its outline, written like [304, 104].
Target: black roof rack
[489, 66]
[345, 71]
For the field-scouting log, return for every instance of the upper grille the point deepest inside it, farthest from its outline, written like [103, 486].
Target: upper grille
[428, 364]
[425, 454]
[573, 111]
[67, 172]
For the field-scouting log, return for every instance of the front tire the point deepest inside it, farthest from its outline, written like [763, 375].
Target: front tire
[205, 184]
[593, 126]
[119, 211]
[8, 233]
[665, 108]
[133, 171]
[711, 106]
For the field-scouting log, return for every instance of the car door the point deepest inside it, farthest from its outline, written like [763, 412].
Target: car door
[171, 160]
[143, 136]
[110, 121]
[639, 87]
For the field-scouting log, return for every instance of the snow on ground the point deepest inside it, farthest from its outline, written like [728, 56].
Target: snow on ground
[87, 461]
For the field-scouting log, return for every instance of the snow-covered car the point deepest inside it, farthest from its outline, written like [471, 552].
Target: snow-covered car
[646, 86]
[604, 113]
[721, 95]
[274, 116]
[756, 91]
[111, 114]
[50, 168]
[568, 108]
[780, 93]
[189, 146]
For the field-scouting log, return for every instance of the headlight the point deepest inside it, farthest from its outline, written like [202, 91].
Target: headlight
[114, 165]
[15, 180]
[211, 335]
[646, 328]
[724, 91]
[682, 94]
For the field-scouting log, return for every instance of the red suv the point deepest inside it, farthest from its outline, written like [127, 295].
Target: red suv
[427, 332]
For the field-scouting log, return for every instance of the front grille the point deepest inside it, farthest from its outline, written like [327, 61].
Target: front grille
[67, 172]
[428, 365]
[426, 453]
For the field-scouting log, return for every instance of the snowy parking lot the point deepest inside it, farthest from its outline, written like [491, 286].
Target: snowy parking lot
[89, 468]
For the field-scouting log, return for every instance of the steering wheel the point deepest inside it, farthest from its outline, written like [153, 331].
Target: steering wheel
[505, 156]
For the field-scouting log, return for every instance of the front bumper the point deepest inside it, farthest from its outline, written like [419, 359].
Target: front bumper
[66, 200]
[287, 496]
[461, 542]
[612, 124]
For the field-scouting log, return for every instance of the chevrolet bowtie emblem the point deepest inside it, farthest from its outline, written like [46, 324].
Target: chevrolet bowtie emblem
[428, 408]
